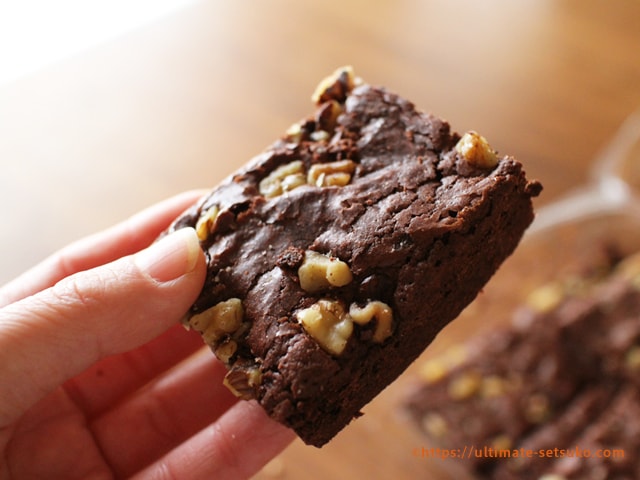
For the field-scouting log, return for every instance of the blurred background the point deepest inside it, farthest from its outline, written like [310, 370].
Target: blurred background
[108, 107]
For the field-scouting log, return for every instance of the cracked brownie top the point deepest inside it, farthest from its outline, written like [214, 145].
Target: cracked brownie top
[335, 256]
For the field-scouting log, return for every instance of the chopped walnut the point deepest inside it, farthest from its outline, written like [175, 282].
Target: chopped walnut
[435, 425]
[294, 133]
[225, 350]
[493, 386]
[336, 173]
[320, 136]
[206, 223]
[465, 385]
[327, 116]
[501, 442]
[292, 175]
[433, 370]
[331, 325]
[328, 323]
[283, 179]
[378, 310]
[475, 149]
[336, 86]
[242, 382]
[222, 319]
[547, 297]
[319, 272]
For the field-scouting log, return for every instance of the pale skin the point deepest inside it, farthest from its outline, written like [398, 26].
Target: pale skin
[97, 378]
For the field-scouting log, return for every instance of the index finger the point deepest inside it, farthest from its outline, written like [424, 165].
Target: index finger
[125, 238]
[236, 446]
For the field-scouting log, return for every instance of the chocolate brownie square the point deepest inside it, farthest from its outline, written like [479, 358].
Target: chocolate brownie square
[336, 255]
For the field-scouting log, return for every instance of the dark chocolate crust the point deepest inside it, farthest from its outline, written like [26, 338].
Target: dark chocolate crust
[421, 228]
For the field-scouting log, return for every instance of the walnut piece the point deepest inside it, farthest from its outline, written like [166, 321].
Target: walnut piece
[294, 133]
[319, 272]
[225, 350]
[242, 381]
[320, 136]
[435, 425]
[435, 369]
[475, 149]
[493, 386]
[465, 385]
[336, 173]
[331, 324]
[292, 175]
[336, 86]
[327, 116]
[547, 297]
[501, 442]
[328, 323]
[222, 319]
[206, 222]
[378, 310]
[283, 179]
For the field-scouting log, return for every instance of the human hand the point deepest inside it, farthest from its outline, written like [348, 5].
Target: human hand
[98, 379]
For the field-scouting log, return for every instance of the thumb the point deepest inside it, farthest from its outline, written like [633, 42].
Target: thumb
[52, 336]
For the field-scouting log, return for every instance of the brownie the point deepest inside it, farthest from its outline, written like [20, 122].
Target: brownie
[608, 449]
[605, 335]
[589, 334]
[561, 433]
[509, 383]
[336, 255]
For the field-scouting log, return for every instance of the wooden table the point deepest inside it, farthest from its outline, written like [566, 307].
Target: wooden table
[182, 102]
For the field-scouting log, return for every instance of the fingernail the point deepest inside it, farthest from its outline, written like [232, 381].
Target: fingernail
[172, 257]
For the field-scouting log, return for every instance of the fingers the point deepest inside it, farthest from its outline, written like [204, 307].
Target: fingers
[49, 337]
[237, 446]
[163, 414]
[123, 239]
[113, 378]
